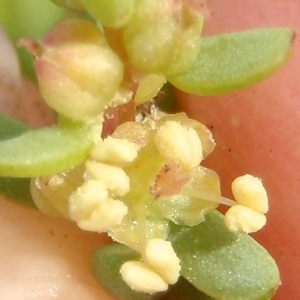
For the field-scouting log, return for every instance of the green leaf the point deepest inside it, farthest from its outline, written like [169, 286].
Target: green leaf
[106, 265]
[222, 264]
[10, 128]
[17, 190]
[233, 61]
[45, 151]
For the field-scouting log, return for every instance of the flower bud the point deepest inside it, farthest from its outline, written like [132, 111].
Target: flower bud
[163, 36]
[78, 73]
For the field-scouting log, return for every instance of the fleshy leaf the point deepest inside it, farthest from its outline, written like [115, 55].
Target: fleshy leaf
[15, 189]
[45, 151]
[233, 61]
[106, 265]
[223, 264]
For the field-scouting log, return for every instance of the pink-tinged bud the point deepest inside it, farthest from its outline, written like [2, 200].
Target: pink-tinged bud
[77, 71]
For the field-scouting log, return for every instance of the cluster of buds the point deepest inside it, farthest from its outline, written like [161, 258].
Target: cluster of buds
[172, 44]
[84, 67]
[73, 64]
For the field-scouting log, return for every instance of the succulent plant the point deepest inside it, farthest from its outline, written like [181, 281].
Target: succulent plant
[144, 184]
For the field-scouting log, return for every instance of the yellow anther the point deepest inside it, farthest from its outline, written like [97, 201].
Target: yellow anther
[113, 177]
[115, 151]
[176, 142]
[162, 258]
[86, 198]
[141, 277]
[249, 191]
[105, 217]
[240, 218]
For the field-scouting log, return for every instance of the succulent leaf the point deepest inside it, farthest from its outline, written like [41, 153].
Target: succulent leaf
[233, 61]
[222, 264]
[44, 151]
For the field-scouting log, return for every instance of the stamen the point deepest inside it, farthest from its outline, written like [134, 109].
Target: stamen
[86, 198]
[240, 218]
[186, 148]
[207, 196]
[142, 278]
[249, 191]
[162, 258]
[115, 178]
[106, 217]
[115, 151]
